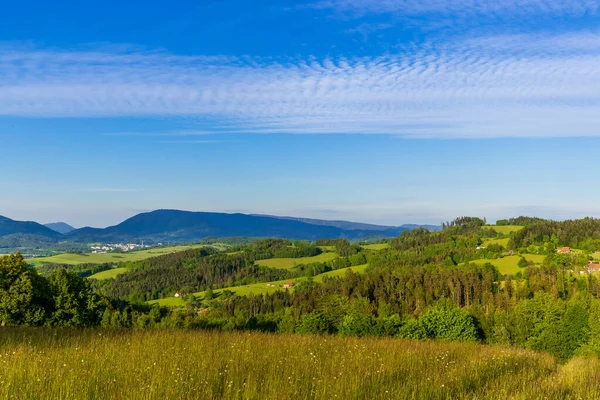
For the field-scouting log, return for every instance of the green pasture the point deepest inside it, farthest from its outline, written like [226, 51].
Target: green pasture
[289, 263]
[506, 229]
[509, 265]
[501, 242]
[258, 288]
[108, 274]
[341, 272]
[376, 246]
[90, 258]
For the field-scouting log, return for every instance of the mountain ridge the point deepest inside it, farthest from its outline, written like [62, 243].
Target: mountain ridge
[172, 226]
[60, 227]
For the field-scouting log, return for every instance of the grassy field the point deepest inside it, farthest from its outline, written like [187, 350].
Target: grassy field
[111, 273]
[376, 246]
[289, 263]
[501, 242]
[341, 272]
[258, 288]
[89, 258]
[94, 364]
[506, 229]
[509, 265]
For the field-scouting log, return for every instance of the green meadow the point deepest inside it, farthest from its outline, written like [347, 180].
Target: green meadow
[289, 263]
[184, 364]
[259, 288]
[109, 274]
[376, 246]
[509, 265]
[506, 229]
[501, 242]
[90, 258]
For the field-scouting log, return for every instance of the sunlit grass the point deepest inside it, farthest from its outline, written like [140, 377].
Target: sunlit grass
[92, 364]
[111, 273]
[501, 242]
[510, 264]
[376, 246]
[506, 229]
[90, 258]
[258, 288]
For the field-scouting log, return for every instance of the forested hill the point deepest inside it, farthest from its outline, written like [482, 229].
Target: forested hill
[60, 227]
[178, 226]
[347, 225]
[11, 227]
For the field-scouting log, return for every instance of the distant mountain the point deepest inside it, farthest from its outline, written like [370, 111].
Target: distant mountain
[60, 227]
[171, 226]
[429, 227]
[347, 225]
[180, 226]
[11, 227]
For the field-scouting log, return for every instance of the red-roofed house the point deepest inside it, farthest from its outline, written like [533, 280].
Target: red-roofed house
[564, 250]
[593, 266]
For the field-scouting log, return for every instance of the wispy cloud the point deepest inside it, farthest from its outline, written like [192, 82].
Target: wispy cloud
[463, 7]
[493, 86]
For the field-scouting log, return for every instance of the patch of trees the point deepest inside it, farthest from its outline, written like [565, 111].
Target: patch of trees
[62, 299]
[520, 221]
[83, 270]
[158, 277]
[582, 234]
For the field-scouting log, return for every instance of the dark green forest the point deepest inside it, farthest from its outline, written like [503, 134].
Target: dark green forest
[424, 286]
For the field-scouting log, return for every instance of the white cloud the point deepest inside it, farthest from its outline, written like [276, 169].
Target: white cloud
[495, 86]
[463, 8]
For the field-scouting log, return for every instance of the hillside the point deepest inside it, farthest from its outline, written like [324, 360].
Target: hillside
[11, 227]
[179, 226]
[117, 364]
[60, 227]
[347, 225]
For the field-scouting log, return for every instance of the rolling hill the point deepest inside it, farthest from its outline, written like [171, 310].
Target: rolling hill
[347, 225]
[181, 226]
[12, 227]
[60, 227]
[175, 226]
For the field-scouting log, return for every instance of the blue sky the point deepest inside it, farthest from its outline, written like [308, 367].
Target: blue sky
[388, 111]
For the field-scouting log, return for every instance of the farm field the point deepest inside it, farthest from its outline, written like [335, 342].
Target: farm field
[501, 242]
[108, 274]
[258, 288]
[162, 364]
[90, 258]
[376, 246]
[509, 265]
[505, 229]
[289, 263]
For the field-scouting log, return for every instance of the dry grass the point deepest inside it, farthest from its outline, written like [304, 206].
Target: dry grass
[92, 364]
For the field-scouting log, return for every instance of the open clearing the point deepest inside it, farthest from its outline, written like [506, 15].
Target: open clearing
[289, 263]
[190, 364]
[376, 246]
[509, 265]
[501, 242]
[108, 274]
[90, 258]
[505, 229]
[259, 288]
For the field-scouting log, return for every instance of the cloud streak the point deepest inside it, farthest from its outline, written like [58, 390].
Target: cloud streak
[464, 7]
[493, 86]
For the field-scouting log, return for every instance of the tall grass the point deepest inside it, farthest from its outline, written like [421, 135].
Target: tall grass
[94, 364]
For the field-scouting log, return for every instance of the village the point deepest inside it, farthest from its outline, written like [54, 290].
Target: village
[107, 248]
